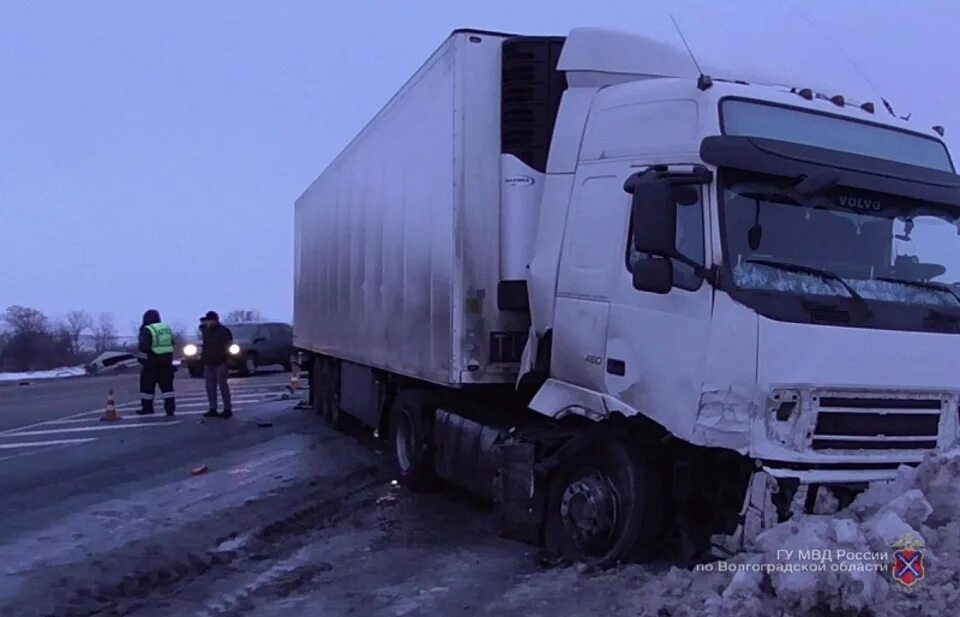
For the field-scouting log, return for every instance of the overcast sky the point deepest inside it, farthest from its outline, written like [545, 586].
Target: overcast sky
[150, 153]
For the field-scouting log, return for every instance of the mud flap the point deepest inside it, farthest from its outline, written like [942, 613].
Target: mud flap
[519, 513]
[758, 514]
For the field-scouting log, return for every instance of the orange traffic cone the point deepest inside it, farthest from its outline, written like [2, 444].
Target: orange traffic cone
[110, 415]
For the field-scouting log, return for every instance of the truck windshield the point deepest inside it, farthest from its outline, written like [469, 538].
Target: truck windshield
[843, 243]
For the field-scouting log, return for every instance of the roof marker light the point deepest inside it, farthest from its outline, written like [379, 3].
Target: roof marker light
[806, 93]
[868, 107]
[940, 130]
[838, 100]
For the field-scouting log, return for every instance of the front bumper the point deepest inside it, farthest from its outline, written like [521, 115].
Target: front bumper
[234, 362]
[850, 436]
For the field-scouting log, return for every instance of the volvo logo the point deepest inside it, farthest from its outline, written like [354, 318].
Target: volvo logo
[858, 203]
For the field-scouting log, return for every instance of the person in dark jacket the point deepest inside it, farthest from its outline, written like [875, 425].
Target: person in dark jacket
[155, 343]
[217, 340]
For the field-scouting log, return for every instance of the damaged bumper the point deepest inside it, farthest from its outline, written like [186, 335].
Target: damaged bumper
[829, 435]
[837, 436]
[802, 439]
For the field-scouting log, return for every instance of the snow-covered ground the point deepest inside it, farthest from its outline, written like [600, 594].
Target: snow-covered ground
[67, 371]
[311, 524]
[837, 564]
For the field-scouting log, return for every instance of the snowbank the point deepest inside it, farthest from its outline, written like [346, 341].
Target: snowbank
[854, 546]
[842, 563]
[71, 371]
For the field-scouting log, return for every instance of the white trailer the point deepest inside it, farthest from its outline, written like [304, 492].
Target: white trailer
[631, 302]
[399, 241]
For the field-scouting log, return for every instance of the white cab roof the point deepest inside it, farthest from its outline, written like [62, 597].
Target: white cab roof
[592, 56]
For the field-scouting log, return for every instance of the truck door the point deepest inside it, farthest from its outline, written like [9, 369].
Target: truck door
[656, 345]
[590, 252]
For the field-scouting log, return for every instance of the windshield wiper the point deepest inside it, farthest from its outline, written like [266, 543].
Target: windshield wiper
[823, 274]
[921, 285]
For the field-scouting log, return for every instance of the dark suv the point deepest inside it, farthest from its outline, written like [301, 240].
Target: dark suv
[255, 344]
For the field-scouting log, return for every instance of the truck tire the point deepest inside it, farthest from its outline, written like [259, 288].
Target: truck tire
[602, 506]
[408, 443]
[326, 400]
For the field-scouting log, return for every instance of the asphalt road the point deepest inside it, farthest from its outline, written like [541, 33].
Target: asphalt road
[56, 454]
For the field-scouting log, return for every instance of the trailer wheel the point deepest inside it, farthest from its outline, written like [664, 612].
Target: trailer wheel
[411, 458]
[602, 508]
[326, 400]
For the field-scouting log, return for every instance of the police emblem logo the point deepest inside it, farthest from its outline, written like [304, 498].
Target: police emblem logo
[908, 566]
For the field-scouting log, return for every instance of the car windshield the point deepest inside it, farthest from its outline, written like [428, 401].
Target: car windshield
[243, 332]
[842, 243]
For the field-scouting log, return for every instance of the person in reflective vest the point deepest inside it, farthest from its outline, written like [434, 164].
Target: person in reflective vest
[156, 343]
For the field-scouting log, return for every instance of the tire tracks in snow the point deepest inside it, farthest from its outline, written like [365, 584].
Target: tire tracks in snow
[169, 568]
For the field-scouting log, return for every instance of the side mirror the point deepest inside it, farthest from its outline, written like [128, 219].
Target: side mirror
[654, 214]
[654, 275]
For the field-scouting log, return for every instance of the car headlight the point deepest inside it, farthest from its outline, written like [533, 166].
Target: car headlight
[234, 349]
[189, 350]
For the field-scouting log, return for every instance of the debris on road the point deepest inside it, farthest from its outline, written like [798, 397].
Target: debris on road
[199, 470]
[265, 424]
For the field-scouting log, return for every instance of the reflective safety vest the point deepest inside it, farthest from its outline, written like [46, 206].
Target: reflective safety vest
[162, 338]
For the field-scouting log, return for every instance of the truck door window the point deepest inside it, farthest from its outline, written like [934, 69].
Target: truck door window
[689, 242]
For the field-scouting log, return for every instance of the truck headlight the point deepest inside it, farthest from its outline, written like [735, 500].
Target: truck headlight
[234, 349]
[190, 350]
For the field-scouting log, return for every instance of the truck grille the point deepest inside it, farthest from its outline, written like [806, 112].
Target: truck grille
[876, 424]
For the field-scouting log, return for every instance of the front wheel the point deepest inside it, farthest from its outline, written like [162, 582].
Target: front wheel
[602, 506]
[249, 366]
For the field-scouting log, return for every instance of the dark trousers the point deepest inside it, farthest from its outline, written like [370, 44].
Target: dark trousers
[216, 377]
[157, 372]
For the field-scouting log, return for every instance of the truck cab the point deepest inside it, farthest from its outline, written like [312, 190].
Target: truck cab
[753, 268]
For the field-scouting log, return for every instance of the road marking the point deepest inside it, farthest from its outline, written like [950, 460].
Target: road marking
[193, 400]
[133, 405]
[34, 444]
[135, 417]
[85, 429]
[44, 450]
[272, 388]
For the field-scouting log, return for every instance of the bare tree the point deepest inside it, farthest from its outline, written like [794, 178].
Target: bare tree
[104, 332]
[243, 315]
[30, 343]
[21, 319]
[75, 322]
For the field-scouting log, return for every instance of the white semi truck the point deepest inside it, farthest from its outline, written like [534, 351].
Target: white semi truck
[634, 301]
